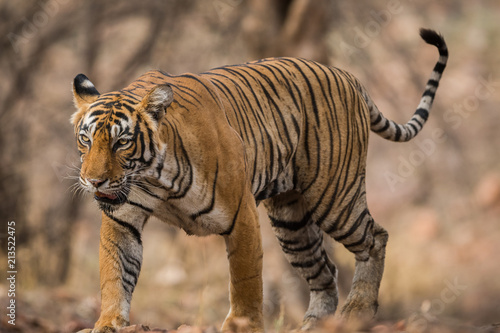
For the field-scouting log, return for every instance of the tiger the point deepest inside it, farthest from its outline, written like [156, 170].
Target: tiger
[202, 151]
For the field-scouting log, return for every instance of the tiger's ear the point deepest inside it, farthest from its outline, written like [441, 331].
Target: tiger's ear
[84, 94]
[157, 100]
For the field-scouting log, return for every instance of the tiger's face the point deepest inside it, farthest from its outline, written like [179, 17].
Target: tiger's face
[116, 137]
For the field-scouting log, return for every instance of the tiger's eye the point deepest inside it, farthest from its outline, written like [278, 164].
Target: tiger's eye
[84, 138]
[123, 142]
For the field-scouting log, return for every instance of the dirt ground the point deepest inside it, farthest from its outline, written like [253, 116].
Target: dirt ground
[63, 313]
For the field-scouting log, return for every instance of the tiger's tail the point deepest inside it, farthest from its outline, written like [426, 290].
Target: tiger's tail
[393, 131]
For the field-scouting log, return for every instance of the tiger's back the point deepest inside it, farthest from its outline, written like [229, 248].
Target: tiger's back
[288, 113]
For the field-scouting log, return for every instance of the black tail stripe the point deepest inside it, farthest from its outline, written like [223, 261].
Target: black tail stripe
[398, 133]
[429, 93]
[439, 67]
[383, 129]
[423, 113]
[415, 129]
[434, 83]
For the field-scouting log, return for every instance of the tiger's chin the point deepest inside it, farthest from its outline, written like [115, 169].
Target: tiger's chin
[110, 202]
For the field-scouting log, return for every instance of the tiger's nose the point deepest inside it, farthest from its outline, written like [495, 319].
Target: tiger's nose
[97, 182]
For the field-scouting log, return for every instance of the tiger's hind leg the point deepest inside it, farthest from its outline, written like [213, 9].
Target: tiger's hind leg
[302, 243]
[362, 300]
[367, 241]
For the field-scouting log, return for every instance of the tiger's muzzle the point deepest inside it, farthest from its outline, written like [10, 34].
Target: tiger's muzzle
[108, 194]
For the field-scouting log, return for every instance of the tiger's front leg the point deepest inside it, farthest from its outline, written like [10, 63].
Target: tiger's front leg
[120, 258]
[244, 251]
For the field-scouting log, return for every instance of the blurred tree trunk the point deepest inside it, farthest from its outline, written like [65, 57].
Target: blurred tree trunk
[45, 217]
[288, 28]
[43, 244]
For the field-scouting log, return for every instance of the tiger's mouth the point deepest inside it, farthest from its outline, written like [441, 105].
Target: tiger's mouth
[112, 199]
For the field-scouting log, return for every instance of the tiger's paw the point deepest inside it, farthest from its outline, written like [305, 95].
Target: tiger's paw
[241, 324]
[107, 324]
[309, 323]
[105, 329]
[359, 309]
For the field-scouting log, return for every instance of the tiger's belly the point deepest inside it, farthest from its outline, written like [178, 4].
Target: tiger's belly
[281, 183]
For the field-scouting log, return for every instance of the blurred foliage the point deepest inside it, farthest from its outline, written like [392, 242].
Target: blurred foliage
[442, 213]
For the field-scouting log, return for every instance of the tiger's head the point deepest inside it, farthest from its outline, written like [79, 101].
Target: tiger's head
[117, 138]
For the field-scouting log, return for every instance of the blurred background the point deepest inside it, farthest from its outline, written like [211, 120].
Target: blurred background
[438, 196]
